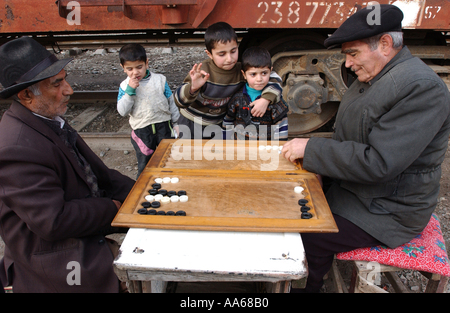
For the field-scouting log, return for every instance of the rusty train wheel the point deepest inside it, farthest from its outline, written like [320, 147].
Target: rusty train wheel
[295, 41]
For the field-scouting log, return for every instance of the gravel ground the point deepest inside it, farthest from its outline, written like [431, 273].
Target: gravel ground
[100, 70]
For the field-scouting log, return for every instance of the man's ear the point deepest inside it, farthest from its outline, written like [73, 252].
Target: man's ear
[386, 44]
[27, 99]
[25, 96]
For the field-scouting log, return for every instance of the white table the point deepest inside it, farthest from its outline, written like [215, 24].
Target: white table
[149, 258]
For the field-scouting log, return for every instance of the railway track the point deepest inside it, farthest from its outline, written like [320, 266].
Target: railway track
[92, 107]
[113, 40]
[86, 97]
[87, 106]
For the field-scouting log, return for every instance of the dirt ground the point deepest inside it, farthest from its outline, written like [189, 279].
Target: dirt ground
[92, 70]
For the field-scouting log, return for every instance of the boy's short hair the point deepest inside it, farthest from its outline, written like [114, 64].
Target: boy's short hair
[132, 52]
[219, 32]
[256, 57]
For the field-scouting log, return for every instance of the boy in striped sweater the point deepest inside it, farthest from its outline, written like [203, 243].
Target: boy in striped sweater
[205, 92]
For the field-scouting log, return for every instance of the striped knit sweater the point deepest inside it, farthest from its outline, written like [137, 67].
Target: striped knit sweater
[210, 102]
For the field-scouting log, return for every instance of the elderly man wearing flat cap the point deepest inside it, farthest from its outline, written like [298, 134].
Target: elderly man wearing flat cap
[383, 163]
[57, 198]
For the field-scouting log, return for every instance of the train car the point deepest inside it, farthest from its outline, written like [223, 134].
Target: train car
[314, 79]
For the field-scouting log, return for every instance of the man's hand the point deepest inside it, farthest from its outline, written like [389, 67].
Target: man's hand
[259, 107]
[294, 149]
[198, 77]
[117, 203]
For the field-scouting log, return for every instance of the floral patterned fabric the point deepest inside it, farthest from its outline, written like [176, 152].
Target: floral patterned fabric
[426, 252]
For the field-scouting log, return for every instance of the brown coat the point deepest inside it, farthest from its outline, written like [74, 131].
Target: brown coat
[47, 216]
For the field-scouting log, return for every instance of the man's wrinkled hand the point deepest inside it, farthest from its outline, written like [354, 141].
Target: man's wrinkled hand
[294, 149]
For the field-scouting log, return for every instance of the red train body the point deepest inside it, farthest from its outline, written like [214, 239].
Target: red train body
[44, 16]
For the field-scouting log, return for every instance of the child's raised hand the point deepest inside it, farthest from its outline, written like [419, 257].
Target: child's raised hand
[259, 107]
[198, 77]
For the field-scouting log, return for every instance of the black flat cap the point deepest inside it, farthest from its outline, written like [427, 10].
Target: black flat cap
[365, 23]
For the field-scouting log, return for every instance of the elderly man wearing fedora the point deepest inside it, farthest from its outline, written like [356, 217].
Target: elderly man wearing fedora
[383, 163]
[57, 198]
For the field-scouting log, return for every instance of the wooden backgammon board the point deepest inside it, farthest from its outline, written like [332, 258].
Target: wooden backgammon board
[230, 186]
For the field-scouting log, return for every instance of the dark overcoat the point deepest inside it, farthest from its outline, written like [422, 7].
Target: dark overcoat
[52, 227]
[385, 156]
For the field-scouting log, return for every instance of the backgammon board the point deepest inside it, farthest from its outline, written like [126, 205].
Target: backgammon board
[225, 186]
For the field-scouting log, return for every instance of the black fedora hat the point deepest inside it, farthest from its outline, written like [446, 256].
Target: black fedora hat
[24, 62]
